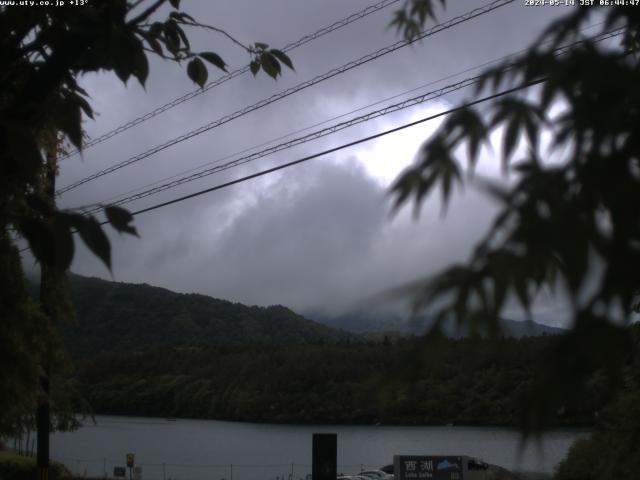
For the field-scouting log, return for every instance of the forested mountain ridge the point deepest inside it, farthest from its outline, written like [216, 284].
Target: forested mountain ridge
[143, 350]
[115, 316]
[451, 381]
[366, 321]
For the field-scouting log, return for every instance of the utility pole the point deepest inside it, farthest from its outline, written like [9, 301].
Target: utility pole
[47, 283]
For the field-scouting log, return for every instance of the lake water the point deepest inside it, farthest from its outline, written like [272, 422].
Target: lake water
[213, 450]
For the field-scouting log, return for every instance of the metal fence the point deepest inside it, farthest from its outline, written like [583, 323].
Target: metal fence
[104, 468]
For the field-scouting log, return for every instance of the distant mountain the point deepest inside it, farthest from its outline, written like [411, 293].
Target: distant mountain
[114, 316]
[529, 328]
[394, 324]
[361, 321]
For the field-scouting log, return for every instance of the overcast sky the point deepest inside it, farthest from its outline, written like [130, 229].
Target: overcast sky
[315, 236]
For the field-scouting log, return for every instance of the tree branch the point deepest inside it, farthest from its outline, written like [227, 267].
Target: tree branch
[219, 30]
[147, 13]
[135, 4]
[166, 57]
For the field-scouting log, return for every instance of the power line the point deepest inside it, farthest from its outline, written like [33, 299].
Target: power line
[282, 137]
[343, 146]
[298, 141]
[117, 199]
[285, 93]
[219, 81]
[329, 130]
[334, 149]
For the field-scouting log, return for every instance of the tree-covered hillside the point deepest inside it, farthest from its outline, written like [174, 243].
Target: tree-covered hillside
[112, 316]
[116, 316]
[459, 381]
[143, 350]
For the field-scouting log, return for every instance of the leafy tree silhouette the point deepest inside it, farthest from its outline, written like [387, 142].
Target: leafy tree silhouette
[43, 51]
[572, 225]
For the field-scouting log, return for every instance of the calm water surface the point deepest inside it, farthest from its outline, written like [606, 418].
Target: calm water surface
[206, 449]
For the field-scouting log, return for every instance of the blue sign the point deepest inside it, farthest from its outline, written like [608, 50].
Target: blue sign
[422, 467]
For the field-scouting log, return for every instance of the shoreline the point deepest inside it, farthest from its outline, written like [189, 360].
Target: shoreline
[493, 472]
[320, 423]
[285, 444]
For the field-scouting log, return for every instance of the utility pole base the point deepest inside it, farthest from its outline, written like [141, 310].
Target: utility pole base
[43, 473]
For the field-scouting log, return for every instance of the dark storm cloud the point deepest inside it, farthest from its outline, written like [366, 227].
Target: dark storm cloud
[312, 236]
[320, 239]
[298, 240]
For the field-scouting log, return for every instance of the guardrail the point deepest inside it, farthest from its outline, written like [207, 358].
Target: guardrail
[104, 468]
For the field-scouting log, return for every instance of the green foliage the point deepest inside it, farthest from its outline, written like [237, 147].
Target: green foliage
[197, 71]
[612, 452]
[43, 52]
[20, 342]
[29, 340]
[168, 354]
[573, 223]
[121, 218]
[119, 317]
[411, 17]
[269, 60]
[18, 467]
[463, 381]
[214, 59]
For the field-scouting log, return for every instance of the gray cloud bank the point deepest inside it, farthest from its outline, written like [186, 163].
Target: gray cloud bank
[317, 236]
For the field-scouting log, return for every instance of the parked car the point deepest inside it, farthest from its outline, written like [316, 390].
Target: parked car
[388, 469]
[375, 475]
[477, 464]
